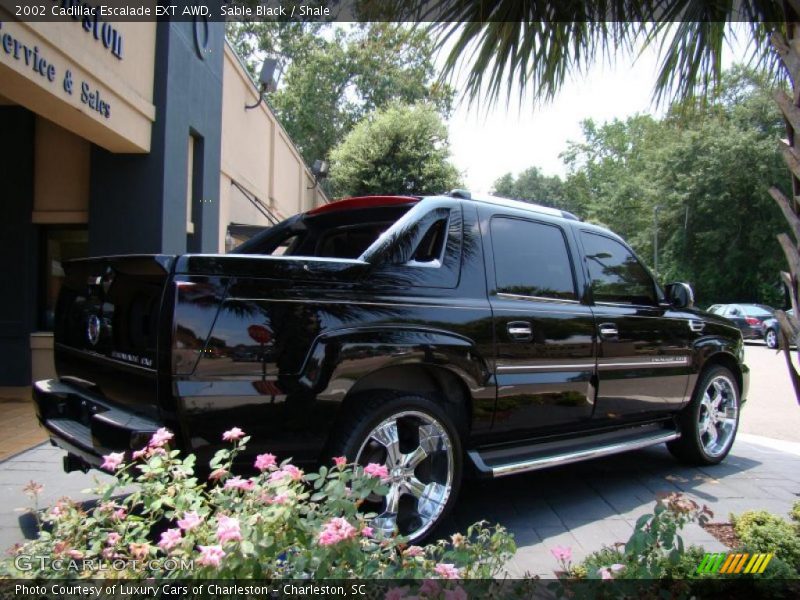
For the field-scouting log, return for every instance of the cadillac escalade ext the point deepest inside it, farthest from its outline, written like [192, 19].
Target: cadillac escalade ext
[437, 336]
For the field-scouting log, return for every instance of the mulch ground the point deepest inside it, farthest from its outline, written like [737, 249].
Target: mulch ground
[724, 532]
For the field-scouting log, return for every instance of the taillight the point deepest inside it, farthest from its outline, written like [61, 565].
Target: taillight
[752, 321]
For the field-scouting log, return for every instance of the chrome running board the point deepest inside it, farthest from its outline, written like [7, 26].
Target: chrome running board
[543, 461]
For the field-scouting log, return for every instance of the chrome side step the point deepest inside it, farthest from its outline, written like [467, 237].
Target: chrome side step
[544, 461]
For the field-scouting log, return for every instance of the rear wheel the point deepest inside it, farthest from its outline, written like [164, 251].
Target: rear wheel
[771, 338]
[709, 423]
[415, 439]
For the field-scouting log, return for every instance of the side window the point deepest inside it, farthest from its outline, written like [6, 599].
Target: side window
[616, 274]
[531, 259]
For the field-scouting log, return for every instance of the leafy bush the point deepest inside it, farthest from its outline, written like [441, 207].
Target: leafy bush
[761, 531]
[281, 523]
[795, 514]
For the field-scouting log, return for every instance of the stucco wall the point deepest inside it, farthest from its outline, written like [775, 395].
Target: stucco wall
[122, 81]
[258, 156]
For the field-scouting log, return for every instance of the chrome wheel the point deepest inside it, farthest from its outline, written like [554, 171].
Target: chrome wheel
[771, 338]
[417, 452]
[717, 416]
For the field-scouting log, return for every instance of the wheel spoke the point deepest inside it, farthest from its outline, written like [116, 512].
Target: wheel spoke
[432, 499]
[393, 499]
[386, 435]
[712, 434]
[411, 460]
[386, 522]
[728, 421]
[415, 487]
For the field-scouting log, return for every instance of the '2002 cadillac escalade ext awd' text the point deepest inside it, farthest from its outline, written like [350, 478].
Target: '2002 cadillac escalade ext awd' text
[432, 335]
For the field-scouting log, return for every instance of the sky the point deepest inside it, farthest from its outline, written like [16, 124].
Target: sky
[487, 144]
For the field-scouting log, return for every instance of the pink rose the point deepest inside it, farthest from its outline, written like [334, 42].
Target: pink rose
[367, 532]
[161, 437]
[112, 461]
[233, 434]
[413, 551]
[218, 474]
[228, 529]
[287, 471]
[239, 484]
[340, 462]
[562, 553]
[170, 538]
[447, 571]
[189, 521]
[113, 538]
[336, 530]
[281, 498]
[265, 461]
[120, 514]
[140, 453]
[376, 470]
[210, 556]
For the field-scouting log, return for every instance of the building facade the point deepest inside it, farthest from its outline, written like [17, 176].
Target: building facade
[125, 138]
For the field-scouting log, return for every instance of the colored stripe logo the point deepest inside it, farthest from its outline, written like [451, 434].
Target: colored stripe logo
[734, 563]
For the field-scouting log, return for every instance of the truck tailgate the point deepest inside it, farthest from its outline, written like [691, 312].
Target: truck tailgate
[107, 327]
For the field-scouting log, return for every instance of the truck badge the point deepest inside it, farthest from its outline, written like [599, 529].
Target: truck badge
[93, 329]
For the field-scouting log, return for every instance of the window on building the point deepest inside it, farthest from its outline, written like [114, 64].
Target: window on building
[617, 276]
[59, 243]
[531, 259]
[194, 194]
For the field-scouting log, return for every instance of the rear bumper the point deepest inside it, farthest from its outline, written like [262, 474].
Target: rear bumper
[85, 424]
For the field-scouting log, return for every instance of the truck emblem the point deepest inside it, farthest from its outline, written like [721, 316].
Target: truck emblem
[93, 329]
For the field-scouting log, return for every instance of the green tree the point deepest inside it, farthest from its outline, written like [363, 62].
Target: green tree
[531, 185]
[333, 76]
[397, 150]
[705, 167]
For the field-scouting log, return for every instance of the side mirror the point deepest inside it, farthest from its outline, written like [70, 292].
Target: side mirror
[680, 295]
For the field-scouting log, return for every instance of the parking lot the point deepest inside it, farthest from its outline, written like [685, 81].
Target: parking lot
[583, 506]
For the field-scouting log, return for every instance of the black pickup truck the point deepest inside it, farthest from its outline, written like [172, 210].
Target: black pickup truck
[437, 336]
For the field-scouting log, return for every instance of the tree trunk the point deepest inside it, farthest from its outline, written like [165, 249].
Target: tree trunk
[788, 48]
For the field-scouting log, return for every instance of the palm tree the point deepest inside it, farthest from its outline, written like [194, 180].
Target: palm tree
[534, 45]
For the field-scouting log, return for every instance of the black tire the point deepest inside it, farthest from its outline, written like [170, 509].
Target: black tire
[771, 338]
[695, 445]
[410, 411]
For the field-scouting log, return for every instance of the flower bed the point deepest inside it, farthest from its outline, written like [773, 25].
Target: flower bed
[280, 523]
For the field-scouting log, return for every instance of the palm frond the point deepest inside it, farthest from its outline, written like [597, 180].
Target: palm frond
[536, 45]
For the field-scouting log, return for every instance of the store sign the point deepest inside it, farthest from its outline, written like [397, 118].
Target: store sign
[14, 48]
[90, 17]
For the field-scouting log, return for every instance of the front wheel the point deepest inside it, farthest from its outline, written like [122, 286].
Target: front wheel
[771, 338]
[415, 439]
[709, 423]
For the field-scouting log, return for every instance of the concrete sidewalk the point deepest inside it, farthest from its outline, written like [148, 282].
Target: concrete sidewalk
[583, 506]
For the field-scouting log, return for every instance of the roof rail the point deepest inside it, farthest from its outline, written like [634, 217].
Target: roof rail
[510, 203]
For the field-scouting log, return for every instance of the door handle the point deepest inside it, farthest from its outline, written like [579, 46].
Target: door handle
[608, 329]
[520, 331]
